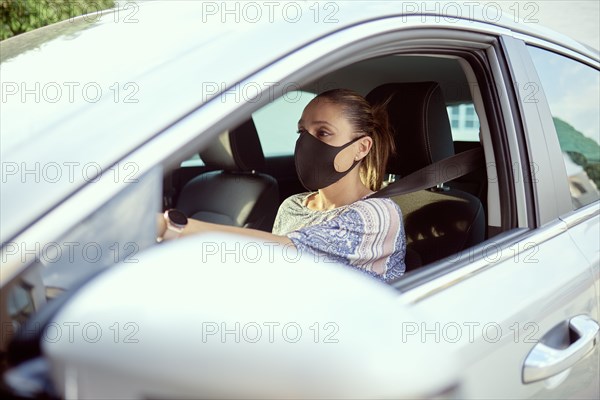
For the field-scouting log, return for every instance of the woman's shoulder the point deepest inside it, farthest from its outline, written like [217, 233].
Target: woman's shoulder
[296, 199]
[382, 206]
[379, 216]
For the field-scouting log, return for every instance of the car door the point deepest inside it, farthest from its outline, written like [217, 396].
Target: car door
[522, 309]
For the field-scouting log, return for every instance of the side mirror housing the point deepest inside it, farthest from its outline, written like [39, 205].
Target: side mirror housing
[228, 316]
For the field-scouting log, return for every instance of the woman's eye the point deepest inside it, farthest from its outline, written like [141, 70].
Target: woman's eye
[320, 133]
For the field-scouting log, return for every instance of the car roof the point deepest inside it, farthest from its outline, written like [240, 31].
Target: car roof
[164, 57]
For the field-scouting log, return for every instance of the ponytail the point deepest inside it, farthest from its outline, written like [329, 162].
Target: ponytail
[373, 168]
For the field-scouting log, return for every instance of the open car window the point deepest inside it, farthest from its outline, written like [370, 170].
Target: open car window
[276, 125]
[277, 122]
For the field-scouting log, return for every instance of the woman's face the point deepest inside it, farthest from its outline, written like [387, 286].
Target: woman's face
[326, 121]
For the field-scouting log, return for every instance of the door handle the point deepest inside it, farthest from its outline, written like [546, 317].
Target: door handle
[544, 361]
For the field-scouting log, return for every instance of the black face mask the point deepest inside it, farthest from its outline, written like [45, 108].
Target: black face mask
[314, 161]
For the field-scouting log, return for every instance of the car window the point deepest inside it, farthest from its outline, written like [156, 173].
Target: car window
[463, 122]
[573, 93]
[193, 161]
[277, 122]
[20, 303]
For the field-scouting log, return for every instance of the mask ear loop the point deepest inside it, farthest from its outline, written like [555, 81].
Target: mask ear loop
[355, 163]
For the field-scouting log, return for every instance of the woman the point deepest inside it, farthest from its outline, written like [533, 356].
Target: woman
[340, 157]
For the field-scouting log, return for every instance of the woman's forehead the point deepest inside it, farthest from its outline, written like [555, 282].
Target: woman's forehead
[322, 109]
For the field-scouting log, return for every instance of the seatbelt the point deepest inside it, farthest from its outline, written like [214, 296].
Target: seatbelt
[434, 174]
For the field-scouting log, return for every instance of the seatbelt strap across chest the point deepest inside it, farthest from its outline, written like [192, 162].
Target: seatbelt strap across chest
[434, 174]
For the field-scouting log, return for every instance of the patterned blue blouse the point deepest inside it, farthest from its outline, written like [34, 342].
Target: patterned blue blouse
[367, 234]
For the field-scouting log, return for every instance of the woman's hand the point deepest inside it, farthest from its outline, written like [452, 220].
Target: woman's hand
[195, 226]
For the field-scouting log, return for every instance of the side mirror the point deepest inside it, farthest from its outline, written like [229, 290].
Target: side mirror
[227, 316]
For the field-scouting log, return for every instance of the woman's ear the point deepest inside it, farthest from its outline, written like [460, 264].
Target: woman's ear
[364, 146]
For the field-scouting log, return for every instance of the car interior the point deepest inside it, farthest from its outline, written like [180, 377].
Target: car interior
[242, 177]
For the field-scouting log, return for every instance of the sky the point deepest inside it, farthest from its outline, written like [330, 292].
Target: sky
[578, 19]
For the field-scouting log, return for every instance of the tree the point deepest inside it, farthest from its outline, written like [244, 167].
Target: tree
[19, 16]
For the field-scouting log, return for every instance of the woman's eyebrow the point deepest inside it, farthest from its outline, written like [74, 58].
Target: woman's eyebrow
[301, 122]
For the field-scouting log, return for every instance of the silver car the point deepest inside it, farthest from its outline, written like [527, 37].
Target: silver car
[110, 118]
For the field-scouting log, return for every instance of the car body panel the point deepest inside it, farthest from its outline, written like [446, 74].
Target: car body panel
[498, 314]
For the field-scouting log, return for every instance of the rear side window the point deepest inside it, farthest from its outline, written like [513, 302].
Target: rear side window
[277, 123]
[463, 122]
[573, 93]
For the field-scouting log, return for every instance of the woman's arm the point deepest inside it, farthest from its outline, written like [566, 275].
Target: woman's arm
[194, 226]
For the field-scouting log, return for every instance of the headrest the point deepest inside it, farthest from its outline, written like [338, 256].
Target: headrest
[419, 122]
[238, 149]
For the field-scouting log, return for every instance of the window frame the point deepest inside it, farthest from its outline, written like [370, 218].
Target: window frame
[484, 60]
